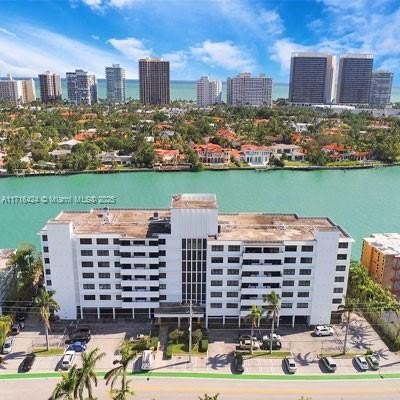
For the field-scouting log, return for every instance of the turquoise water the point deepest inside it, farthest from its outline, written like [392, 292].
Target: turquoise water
[363, 201]
[186, 90]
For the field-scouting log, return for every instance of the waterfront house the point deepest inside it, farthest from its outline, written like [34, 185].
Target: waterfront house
[293, 152]
[255, 156]
[212, 154]
[110, 157]
[165, 156]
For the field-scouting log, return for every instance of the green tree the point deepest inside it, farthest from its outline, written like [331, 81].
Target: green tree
[209, 397]
[46, 304]
[175, 335]
[254, 317]
[197, 335]
[127, 354]
[6, 322]
[65, 389]
[273, 300]
[347, 308]
[86, 375]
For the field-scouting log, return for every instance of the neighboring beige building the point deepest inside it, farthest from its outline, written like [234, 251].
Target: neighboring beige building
[17, 91]
[381, 258]
[28, 91]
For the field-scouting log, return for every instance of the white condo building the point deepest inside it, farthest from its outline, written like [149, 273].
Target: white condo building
[145, 263]
[17, 91]
[208, 91]
[81, 87]
[245, 90]
[116, 84]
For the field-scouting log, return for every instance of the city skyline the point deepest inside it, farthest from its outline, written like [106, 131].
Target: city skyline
[240, 36]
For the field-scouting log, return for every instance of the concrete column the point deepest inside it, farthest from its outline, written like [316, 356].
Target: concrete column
[113, 312]
[98, 312]
[223, 321]
[81, 312]
[239, 322]
[133, 313]
[149, 313]
[179, 322]
[293, 318]
[277, 321]
[206, 322]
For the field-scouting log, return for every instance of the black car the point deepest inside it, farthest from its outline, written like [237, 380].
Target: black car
[276, 345]
[238, 363]
[27, 363]
[20, 317]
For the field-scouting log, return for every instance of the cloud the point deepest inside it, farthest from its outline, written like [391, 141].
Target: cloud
[95, 37]
[282, 50]
[178, 59]
[223, 54]
[7, 32]
[131, 48]
[94, 4]
[101, 5]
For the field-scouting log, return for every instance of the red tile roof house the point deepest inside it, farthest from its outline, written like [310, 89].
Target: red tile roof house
[337, 151]
[293, 152]
[212, 154]
[167, 156]
[255, 155]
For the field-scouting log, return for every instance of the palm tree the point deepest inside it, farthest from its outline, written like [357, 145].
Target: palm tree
[46, 304]
[208, 397]
[86, 375]
[119, 371]
[254, 317]
[349, 307]
[65, 388]
[273, 299]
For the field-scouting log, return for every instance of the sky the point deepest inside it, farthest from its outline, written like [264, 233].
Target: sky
[219, 38]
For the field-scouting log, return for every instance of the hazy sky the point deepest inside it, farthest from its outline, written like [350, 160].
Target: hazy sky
[219, 38]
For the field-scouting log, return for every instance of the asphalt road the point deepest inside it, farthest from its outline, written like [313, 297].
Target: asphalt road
[190, 389]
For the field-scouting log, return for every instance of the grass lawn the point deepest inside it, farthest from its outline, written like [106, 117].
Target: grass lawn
[266, 354]
[289, 163]
[42, 352]
[181, 348]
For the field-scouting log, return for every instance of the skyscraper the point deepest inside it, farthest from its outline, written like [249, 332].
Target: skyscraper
[17, 91]
[28, 91]
[154, 81]
[311, 78]
[209, 92]
[381, 88]
[354, 78]
[81, 87]
[50, 87]
[245, 90]
[116, 84]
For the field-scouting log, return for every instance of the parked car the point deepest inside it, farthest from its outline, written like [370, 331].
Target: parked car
[323, 330]
[77, 347]
[238, 363]
[361, 362]
[7, 346]
[68, 359]
[246, 344]
[16, 328]
[373, 361]
[290, 365]
[329, 363]
[276, 345]
[275, 336]
[27, 363]
[20, 317]
[81, 334]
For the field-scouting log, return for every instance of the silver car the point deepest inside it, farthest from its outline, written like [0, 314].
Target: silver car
[290, 365]
[361, 362]
[7, 346]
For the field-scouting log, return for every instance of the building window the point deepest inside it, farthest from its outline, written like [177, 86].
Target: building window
[307, 249]
[290, 271]
[286, 305]
[305, 272]
[232, 305]
[104, 275]
[217, 260]
[302, 305]
[116, 241]
[288, 283]
[48, 282]
[161, 253]
[303, 294]
[215, 305]
[86, 253]
[103, 253]
[47, 272]
[304, 283]
[103, 264]
[339, 279]
[233, 248]
[105, 297]
[232, 294]
[216, 283]
[88, 275]
[216, 272]
[47, 260]
[102, 241]
[287, 294]
[306, 260]
[291, 249]
[217, 248]
[117, 275]
[85, 241]
[340, 268]
[118, 297]
[44, 238]
[290, 260]
[104, 286]
[232, 283]
[233, 260]
[337, 290]
[89, 286]
[337, 301]
[163, 297]
[233, 271]
[342, 256]
[163, 286]
[87, 264]
[161, 241]
[162, 275]
[216, 294]
[139, 242]
[139, 254]
[89, 297]
[45, 249]
[118, 286]
[343, 245]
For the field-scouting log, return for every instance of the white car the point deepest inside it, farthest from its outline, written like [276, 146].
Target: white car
[275, 336]
[68, 359]
[290, 365]
[323, 330]
[245, 344]
[7, 346]
[361, 362]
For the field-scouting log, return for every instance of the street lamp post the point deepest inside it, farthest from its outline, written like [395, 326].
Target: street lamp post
[190, 330]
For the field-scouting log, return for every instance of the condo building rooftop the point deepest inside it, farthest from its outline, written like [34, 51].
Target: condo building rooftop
[387, 243]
